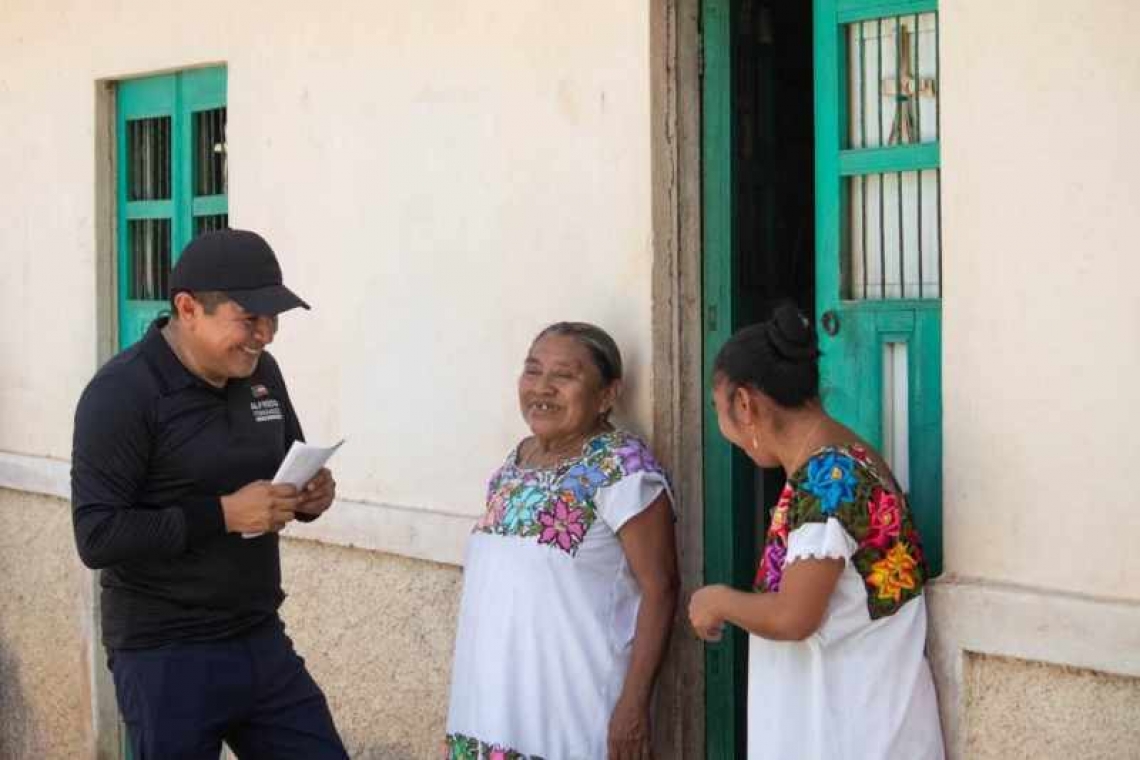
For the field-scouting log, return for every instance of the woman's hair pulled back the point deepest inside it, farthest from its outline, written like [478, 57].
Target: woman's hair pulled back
[778, 356]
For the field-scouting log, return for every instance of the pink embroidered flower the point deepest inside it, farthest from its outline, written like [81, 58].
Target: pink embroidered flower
[497, 754]
[562, 525]
[886, 518]
[494, 513]
[771, 567]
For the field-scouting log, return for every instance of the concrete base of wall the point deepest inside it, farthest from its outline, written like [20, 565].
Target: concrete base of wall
[1033, 673]
[1018, 709]
[378, 633]
[45, 697]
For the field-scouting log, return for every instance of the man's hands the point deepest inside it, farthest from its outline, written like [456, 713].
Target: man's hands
[260, 507]
[318, 494]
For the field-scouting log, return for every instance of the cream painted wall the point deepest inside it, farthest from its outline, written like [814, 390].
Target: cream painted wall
[439, 179]
[1041, 354]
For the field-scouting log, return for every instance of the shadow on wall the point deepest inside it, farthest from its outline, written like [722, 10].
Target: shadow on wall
[17, 729]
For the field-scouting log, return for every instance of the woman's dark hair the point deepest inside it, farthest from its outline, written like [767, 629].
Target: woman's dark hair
[603, 350]
[778, 357]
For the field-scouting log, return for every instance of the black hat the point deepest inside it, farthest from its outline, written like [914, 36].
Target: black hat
[238, 263]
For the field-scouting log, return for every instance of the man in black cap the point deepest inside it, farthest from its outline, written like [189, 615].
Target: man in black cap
[176, 439]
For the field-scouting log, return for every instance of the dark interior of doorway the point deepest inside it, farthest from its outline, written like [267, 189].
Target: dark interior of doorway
[773, 210]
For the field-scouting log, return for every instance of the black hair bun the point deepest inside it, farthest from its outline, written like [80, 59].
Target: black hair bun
[791, 336]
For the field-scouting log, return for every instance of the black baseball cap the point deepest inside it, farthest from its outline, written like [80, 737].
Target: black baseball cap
[238, 263]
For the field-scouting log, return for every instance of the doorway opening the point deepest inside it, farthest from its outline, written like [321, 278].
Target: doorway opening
[759, 251]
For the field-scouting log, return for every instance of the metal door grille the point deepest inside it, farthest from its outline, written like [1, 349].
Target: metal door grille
[210, 223]
[149, 246]
[892, 245]
[148, 151]
[210, 171]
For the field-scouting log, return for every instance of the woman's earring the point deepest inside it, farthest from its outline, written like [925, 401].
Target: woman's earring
[755, 443]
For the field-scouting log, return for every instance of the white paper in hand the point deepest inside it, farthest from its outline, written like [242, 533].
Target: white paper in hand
[301, 465]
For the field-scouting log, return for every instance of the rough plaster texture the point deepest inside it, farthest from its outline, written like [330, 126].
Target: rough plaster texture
[377, 632]
[1040, 263]
[1019, 709]
[44, 694]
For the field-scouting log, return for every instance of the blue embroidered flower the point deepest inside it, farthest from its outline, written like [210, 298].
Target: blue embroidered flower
[582, 480]
[831, 478]
[520, 509]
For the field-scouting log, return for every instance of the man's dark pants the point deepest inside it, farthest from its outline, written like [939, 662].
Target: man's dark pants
[181, 701]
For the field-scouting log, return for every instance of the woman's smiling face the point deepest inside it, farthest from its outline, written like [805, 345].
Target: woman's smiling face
[560, 390]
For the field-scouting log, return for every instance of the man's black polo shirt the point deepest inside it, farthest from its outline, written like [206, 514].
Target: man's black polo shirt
[154, 449]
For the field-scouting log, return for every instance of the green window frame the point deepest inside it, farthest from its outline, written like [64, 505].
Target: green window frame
[171, 182]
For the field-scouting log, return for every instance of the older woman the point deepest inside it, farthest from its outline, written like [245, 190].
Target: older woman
[571, 574]
[836, 669]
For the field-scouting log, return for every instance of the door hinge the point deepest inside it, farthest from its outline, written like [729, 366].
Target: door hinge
[701, 57]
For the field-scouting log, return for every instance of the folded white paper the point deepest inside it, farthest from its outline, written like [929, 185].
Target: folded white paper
[301, 465]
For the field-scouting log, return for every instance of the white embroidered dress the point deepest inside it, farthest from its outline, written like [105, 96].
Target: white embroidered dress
[860, 687]
[549, 606]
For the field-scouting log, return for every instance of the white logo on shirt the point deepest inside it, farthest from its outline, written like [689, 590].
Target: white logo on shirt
[266, 410]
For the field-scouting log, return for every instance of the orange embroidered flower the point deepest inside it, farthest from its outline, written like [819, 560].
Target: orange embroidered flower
[893, 574]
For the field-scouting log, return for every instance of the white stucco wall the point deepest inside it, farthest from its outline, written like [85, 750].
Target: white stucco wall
[439, 179]
[1041, 354]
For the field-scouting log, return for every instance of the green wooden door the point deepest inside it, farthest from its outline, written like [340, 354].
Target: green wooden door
[878, 237]
[171, 182]
[727, 473]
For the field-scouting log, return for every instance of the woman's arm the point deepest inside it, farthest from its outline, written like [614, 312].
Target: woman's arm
[792, 614]
[650, 548]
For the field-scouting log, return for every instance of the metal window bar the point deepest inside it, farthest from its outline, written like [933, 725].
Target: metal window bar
[211, 223]
[904, 94]
[893, 235]
[863, 140]
[937, 75]
[903, 260]
[917, 69]
[149, 241]
[210, 169]
[148, 152]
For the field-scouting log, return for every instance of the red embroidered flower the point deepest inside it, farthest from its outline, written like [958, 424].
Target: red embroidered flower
[886, 519]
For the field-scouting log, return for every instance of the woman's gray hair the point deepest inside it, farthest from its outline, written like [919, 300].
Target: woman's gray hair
[603, 350]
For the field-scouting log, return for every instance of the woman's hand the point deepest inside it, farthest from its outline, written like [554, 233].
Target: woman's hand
[704, 612]
[628, 737]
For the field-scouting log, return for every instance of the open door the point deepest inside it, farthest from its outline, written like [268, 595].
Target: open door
[878, 236]
[758, 251]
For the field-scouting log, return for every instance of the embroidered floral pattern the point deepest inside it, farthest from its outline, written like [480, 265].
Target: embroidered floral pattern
[557, 505]
[843, 483]
[562, 525]
[776, 547]
[459, 747]
[885, 519]
[894, 574]
[831, 478]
